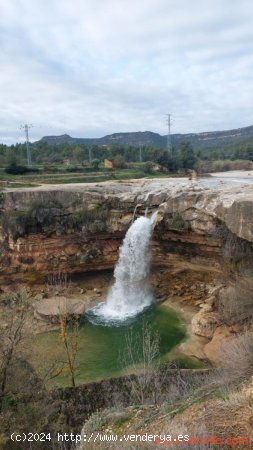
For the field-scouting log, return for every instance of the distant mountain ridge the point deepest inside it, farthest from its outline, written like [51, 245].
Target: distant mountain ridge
[204, 140]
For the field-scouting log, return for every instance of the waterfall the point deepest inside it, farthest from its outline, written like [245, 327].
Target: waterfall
[130, 293]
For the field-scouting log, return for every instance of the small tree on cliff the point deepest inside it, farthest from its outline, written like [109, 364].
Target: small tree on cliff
[15, 311]
[69, 336]
[60, 283]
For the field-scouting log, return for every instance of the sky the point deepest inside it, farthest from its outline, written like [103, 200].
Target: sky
[94, 67]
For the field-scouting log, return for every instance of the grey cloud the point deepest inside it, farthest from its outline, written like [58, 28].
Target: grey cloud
[96, 67]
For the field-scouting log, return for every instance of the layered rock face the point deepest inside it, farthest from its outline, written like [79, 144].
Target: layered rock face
[79, 228]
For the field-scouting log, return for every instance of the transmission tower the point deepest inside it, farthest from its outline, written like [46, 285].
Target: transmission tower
[169, 135]
[26, 127]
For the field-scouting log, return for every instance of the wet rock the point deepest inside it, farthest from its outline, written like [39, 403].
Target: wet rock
[97, 291]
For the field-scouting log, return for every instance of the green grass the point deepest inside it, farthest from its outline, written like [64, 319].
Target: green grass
[21, 185]
[122, 421]
[65, 177]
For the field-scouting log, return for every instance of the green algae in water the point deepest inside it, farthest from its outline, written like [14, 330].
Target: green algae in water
[100, 346]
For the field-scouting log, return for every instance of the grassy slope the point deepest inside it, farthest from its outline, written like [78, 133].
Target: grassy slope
[65, 177]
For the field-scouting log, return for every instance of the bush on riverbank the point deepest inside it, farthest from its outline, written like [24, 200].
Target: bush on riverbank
[223, 165]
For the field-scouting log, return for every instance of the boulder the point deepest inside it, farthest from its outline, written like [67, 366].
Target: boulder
[212, 348]
[51, 309]
[205, 307]
[204, 323]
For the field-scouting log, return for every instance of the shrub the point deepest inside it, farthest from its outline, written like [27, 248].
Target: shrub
[142, 354]
[95, 422]
[95, 164]
[14, 169]
[119, 162]
[176, 223]
[229, 417]
[16, 223]
[74, 169]
[52, 218]
[237, 355]
[49, 168]
[148, 167]
[223, 165]
[39, 217]
[92, 219]
[235, 302]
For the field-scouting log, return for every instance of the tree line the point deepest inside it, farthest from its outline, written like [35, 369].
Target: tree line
[179, 157]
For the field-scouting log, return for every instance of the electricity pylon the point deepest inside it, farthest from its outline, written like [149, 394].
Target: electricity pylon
[169, 135]
[28, 152]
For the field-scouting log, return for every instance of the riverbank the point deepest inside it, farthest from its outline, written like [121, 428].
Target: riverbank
[193, 345]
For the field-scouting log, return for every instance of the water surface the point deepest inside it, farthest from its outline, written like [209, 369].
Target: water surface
[102, 347]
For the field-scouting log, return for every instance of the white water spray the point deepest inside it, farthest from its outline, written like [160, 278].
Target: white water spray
[130, 293]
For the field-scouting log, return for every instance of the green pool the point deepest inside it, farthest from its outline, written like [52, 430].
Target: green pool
[102, 348]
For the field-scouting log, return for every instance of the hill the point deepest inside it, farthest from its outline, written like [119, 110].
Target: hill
[199, 141]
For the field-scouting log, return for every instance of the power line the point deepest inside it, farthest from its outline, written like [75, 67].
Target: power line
[28, 152]
[169, 135]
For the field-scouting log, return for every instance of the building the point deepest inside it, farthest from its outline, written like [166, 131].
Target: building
[109, 164]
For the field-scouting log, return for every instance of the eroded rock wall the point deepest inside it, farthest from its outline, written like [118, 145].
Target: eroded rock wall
[79, 228]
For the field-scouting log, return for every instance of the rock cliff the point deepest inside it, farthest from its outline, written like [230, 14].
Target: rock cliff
[78, 228]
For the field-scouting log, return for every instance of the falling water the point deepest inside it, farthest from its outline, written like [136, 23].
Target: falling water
[130, 293]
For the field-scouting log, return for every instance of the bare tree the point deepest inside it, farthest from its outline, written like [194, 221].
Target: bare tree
[58, 283]
[235, 302]
[12, 333]
[142, 355]
[70, 337]
[236, 354]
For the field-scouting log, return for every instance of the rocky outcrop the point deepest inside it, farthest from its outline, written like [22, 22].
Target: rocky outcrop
[34, 256]
[78, 228]
[202, 236]
[204, 323]
[51, 309]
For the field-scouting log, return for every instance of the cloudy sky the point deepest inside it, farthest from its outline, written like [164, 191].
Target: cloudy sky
[95, 67]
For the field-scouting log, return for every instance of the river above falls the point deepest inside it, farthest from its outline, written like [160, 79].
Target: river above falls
[220, 180]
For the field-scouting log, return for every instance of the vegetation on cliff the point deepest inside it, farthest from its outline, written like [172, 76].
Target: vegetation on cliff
[53, 218]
